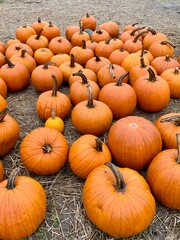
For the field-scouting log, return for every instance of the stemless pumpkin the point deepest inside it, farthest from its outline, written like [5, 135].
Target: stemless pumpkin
[23, 204]
[91, 116]
[163, 177]
[44, 151]
[87, 153]
[116, 199]
[9, 132]
[134, 141]
[169, 125]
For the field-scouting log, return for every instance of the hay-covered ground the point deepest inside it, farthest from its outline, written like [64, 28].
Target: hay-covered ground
[65, 217]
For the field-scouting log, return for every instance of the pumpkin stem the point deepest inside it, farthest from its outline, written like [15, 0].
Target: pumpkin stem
[152, 77]
[55, 87]
[90, 103]
[84, 78]
[10, 64]
[151, 31]
[80, 27]
[46, 65]
[108, 40]
[3, 114]
[72, 61]
[135, 30]
[98, 146]
[47, 148]
[23, 51]
[167, 58]
[143, 65]
[167, 43]
[111, 68]
[11, 179]
[175, 119]
[97, 58]
[120, 183]
[178, 144]
[139, 35]
[50, 24]
[119, 81]
[83, 44]
[39, 20]
[176, 70]
[52, 113]
[39, 34]
[99, 31]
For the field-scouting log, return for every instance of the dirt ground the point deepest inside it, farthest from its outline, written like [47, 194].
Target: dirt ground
[65, 217]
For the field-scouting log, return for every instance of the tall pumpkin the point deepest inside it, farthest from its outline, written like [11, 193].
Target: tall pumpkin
[23, 206]
[134, 141]
[118, 201]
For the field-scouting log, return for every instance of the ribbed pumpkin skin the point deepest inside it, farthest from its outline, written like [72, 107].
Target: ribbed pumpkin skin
[9, 132]
[168, 130]
[117, 213]
[134, 141]
[163, 178]
[84, 157]
[22, 209]
[32, 153]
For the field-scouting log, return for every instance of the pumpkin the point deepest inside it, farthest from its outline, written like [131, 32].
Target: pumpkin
[87, 153]
[91, 44]
[111, 27]
[78, 90]
[161, 48]
[153, 93]
[169, 125]
[53, 99]
[110, 73]
[41, 77]
[44, 151]
[117, 43]
[120, 97]
[104, 48]
[163, 177]
[117, 56]
[12, 41]
[60, 58]
[96, 62]
[60, 45]
[37, 41]
[130, 26]
[2, 47]
[164, 62]
[172, 76]
[134, 141]
[100, 35]
[16, 48]
[3, 103]
[145, 53]
[70, 30]
[91, 116]
[130, 34]
[3, 89]
[9, 132]
[16, 76]
[88, 22]
[38, 25]
[43, 55]
[90, 74]
[82, 54]
[24, 32]
[116, 199]
[1, 172]
[24, 58]
[55, 122]
[2, 60]
[77, 37]
[51, 31]
[23, 204]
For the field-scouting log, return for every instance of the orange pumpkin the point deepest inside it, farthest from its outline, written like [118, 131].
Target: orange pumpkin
[70, 30]
[43, 55]
[60, 45]
[2, 47]
[91, 44]
[115, 199]
[117, 56]
[134, 141]
[161, 48]
[87, 153]
[25, 209]
[24, 32]
[60, 58]
[51, 31]
[2, 60]
[3, 103]
[130, 34]
[37, 41]
[100, 35]
[9, 132]
[3, 89]
[16, 48]
[89, 22]
[95, 63]
[169, 125]
[163, 177]
[1, 172]
[44, 151]
[77, 37]
[111, 27]
[38, 25]
[90, 74]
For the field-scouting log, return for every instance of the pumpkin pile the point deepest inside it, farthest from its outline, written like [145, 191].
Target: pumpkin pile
[109, 73]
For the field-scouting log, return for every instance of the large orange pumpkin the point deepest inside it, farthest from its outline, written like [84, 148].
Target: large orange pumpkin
[163, 177]
[44, 151]
[86, 153]
[118, 201]
[134, 141]
[22, 206]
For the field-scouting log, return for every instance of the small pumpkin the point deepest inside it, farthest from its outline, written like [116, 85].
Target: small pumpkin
[115, 199]
[24, 32]
[9, 132]
[95, 63]
[55, 122]
[87, 153]
[161, 48]
[130, 34]
[25, 201]
[100, 35]
[37, 41]
[104, 48]
[134, 141]
[16, 48]
[164, 170]
[169, 125]
[117, 56]
[90, 74]
[60, 45]
[111, 27]
[43, 55]
[70, 30]
[77, 37]
[38, 25]
[88, 22]
[44, 151]
[51, 31]
[91, 116]
[60, 58]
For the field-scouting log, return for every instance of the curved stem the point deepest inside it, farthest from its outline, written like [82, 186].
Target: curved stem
[84, 78]
[98, 146]
[135, 30]
[152, 77]
[139, 35]
[23, 51]
[119, 81]
[90, 103]
[120, 183]
[39, 34]
[175, 119]
[108, 40]
[178, 144]
[111, 68]
[10, 64]
[72, 61]
[151, 31]
[46, 65]
[3, 113]
[167, 43]
[11, 179]
[55, 87]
